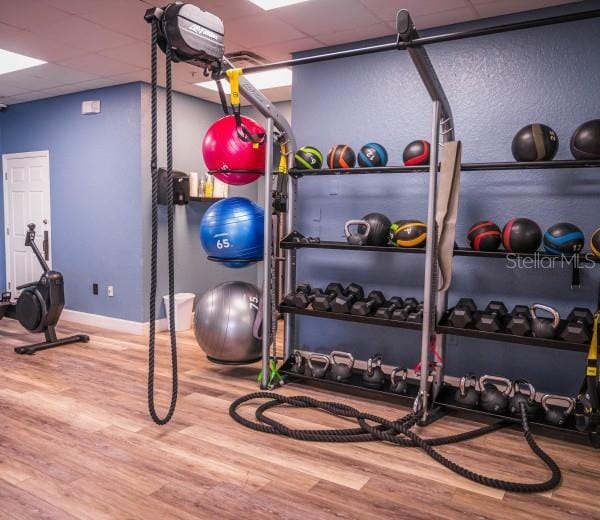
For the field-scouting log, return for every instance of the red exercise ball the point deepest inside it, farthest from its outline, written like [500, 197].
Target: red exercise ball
[416, 153]
[228, 154]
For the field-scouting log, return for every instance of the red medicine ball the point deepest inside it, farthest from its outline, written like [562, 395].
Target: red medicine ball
[521, 235]
[484, 236]
[227, 151]
[416, 153]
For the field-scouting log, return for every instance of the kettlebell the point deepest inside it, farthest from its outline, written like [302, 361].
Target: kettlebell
[467, 394]
[341, 371]
[544, 327]
[398, 381]
[319, 370]
[354, 237]
[373, 376]
[526, 399]
[297, 366]
[491, 399]
[557, 415]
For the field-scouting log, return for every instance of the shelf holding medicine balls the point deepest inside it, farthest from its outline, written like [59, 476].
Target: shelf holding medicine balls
[210, 200]
[466, 167]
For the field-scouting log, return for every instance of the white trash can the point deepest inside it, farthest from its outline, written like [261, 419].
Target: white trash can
[184, 305]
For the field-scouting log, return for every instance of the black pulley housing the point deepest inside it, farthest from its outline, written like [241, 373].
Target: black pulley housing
[181, 187]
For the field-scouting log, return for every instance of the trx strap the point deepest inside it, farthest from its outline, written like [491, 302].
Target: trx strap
[587, 405]
[154, 246]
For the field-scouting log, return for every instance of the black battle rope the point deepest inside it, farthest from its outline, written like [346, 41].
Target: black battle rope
[154, 246]
[397, 432]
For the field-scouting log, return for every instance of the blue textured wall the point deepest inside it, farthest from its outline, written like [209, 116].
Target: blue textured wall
[194, 273]
[96, 195]
[495, 84]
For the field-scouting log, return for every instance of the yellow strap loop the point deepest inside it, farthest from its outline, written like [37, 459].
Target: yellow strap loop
[283, 158]
[234, 84]
[592, 371]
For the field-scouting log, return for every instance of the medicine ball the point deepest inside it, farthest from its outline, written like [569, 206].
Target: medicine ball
[563, 238]
[308, 158]
[341, 156]
[228, 154]
[521, 235]
[224, 323]
[416, 153]
[408, 233]
[372, 154]
[231, 231]
[535, 142]
[379, 234]
[585, 142]
[595, 242]
[484, 236]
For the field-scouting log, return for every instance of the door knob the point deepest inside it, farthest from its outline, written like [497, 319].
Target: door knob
[45, 221]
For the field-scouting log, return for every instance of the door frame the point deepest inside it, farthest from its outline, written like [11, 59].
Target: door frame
[5, 158]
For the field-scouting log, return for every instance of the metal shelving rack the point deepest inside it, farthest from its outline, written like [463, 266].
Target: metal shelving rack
[433, 329]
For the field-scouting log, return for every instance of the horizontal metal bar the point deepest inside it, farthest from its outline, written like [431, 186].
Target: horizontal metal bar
[427, 40]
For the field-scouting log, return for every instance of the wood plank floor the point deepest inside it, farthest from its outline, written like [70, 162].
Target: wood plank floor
[76, 442]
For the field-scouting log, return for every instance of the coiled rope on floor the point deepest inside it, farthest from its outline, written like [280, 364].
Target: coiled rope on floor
[374, 428]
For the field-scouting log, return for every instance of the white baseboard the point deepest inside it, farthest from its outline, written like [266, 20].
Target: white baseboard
[139, 328]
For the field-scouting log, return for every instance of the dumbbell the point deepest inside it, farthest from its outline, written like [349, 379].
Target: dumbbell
[322, 302]
[493, 317]
[416, 316]
[519, 322]
[386, 310]
[344, 302]
[290, 299]
[463, 313]
[371, 303]
[303, 299]
[578, 329]
[411, 305]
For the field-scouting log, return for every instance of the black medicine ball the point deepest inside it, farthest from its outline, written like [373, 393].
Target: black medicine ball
[521, 235]
[484, 236]
[308, 158]
[416, 153]
[341, 156]
[379, 233]
[408, 233]
[585, 142]
[595, 242]
[563, 238]
[372, 154]
[535, 142]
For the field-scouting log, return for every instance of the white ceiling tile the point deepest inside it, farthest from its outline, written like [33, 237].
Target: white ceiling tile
[357, 34]
[464, 14]
[10, 89]
[325, 16]
[27, 80]
[282, 50]
[61, 75]
[260, 30]
[500, 7]
[31, 44]
[125, 17]
[229, 9]
[73, 6]
[83, 34]
[98, 65]
[387, 9]
[137, 54]
[12, 100]
[30, 14]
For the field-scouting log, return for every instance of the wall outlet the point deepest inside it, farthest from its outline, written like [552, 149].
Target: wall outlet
[95, 289]
[110, 291]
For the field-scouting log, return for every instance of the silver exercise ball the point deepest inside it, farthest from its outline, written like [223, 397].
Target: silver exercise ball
[224, 321]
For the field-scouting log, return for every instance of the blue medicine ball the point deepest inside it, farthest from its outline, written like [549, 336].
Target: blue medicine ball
[232, 231]
[372, 154]
[563, 239]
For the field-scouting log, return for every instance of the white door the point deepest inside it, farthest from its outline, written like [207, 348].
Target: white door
[26, 200]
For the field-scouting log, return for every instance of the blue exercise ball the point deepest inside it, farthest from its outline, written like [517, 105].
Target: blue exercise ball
[232, 232]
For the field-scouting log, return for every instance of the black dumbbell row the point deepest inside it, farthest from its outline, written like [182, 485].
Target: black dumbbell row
[495, 318]
[352, 300]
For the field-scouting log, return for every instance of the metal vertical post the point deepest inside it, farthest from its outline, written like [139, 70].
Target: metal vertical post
[290, 268]
[430, 285]
[267, 304]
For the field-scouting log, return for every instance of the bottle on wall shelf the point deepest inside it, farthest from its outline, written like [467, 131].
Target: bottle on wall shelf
[208, 186]
[194, 184]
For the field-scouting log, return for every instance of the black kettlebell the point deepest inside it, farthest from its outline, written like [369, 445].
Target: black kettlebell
[318, 370]
[298, 365]
[544, 327]
[399, 381]
[557, 415]
[526, 399]
[467, 394]
[492, 400]
[341, 371]
[373, 376]
[357, 238]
